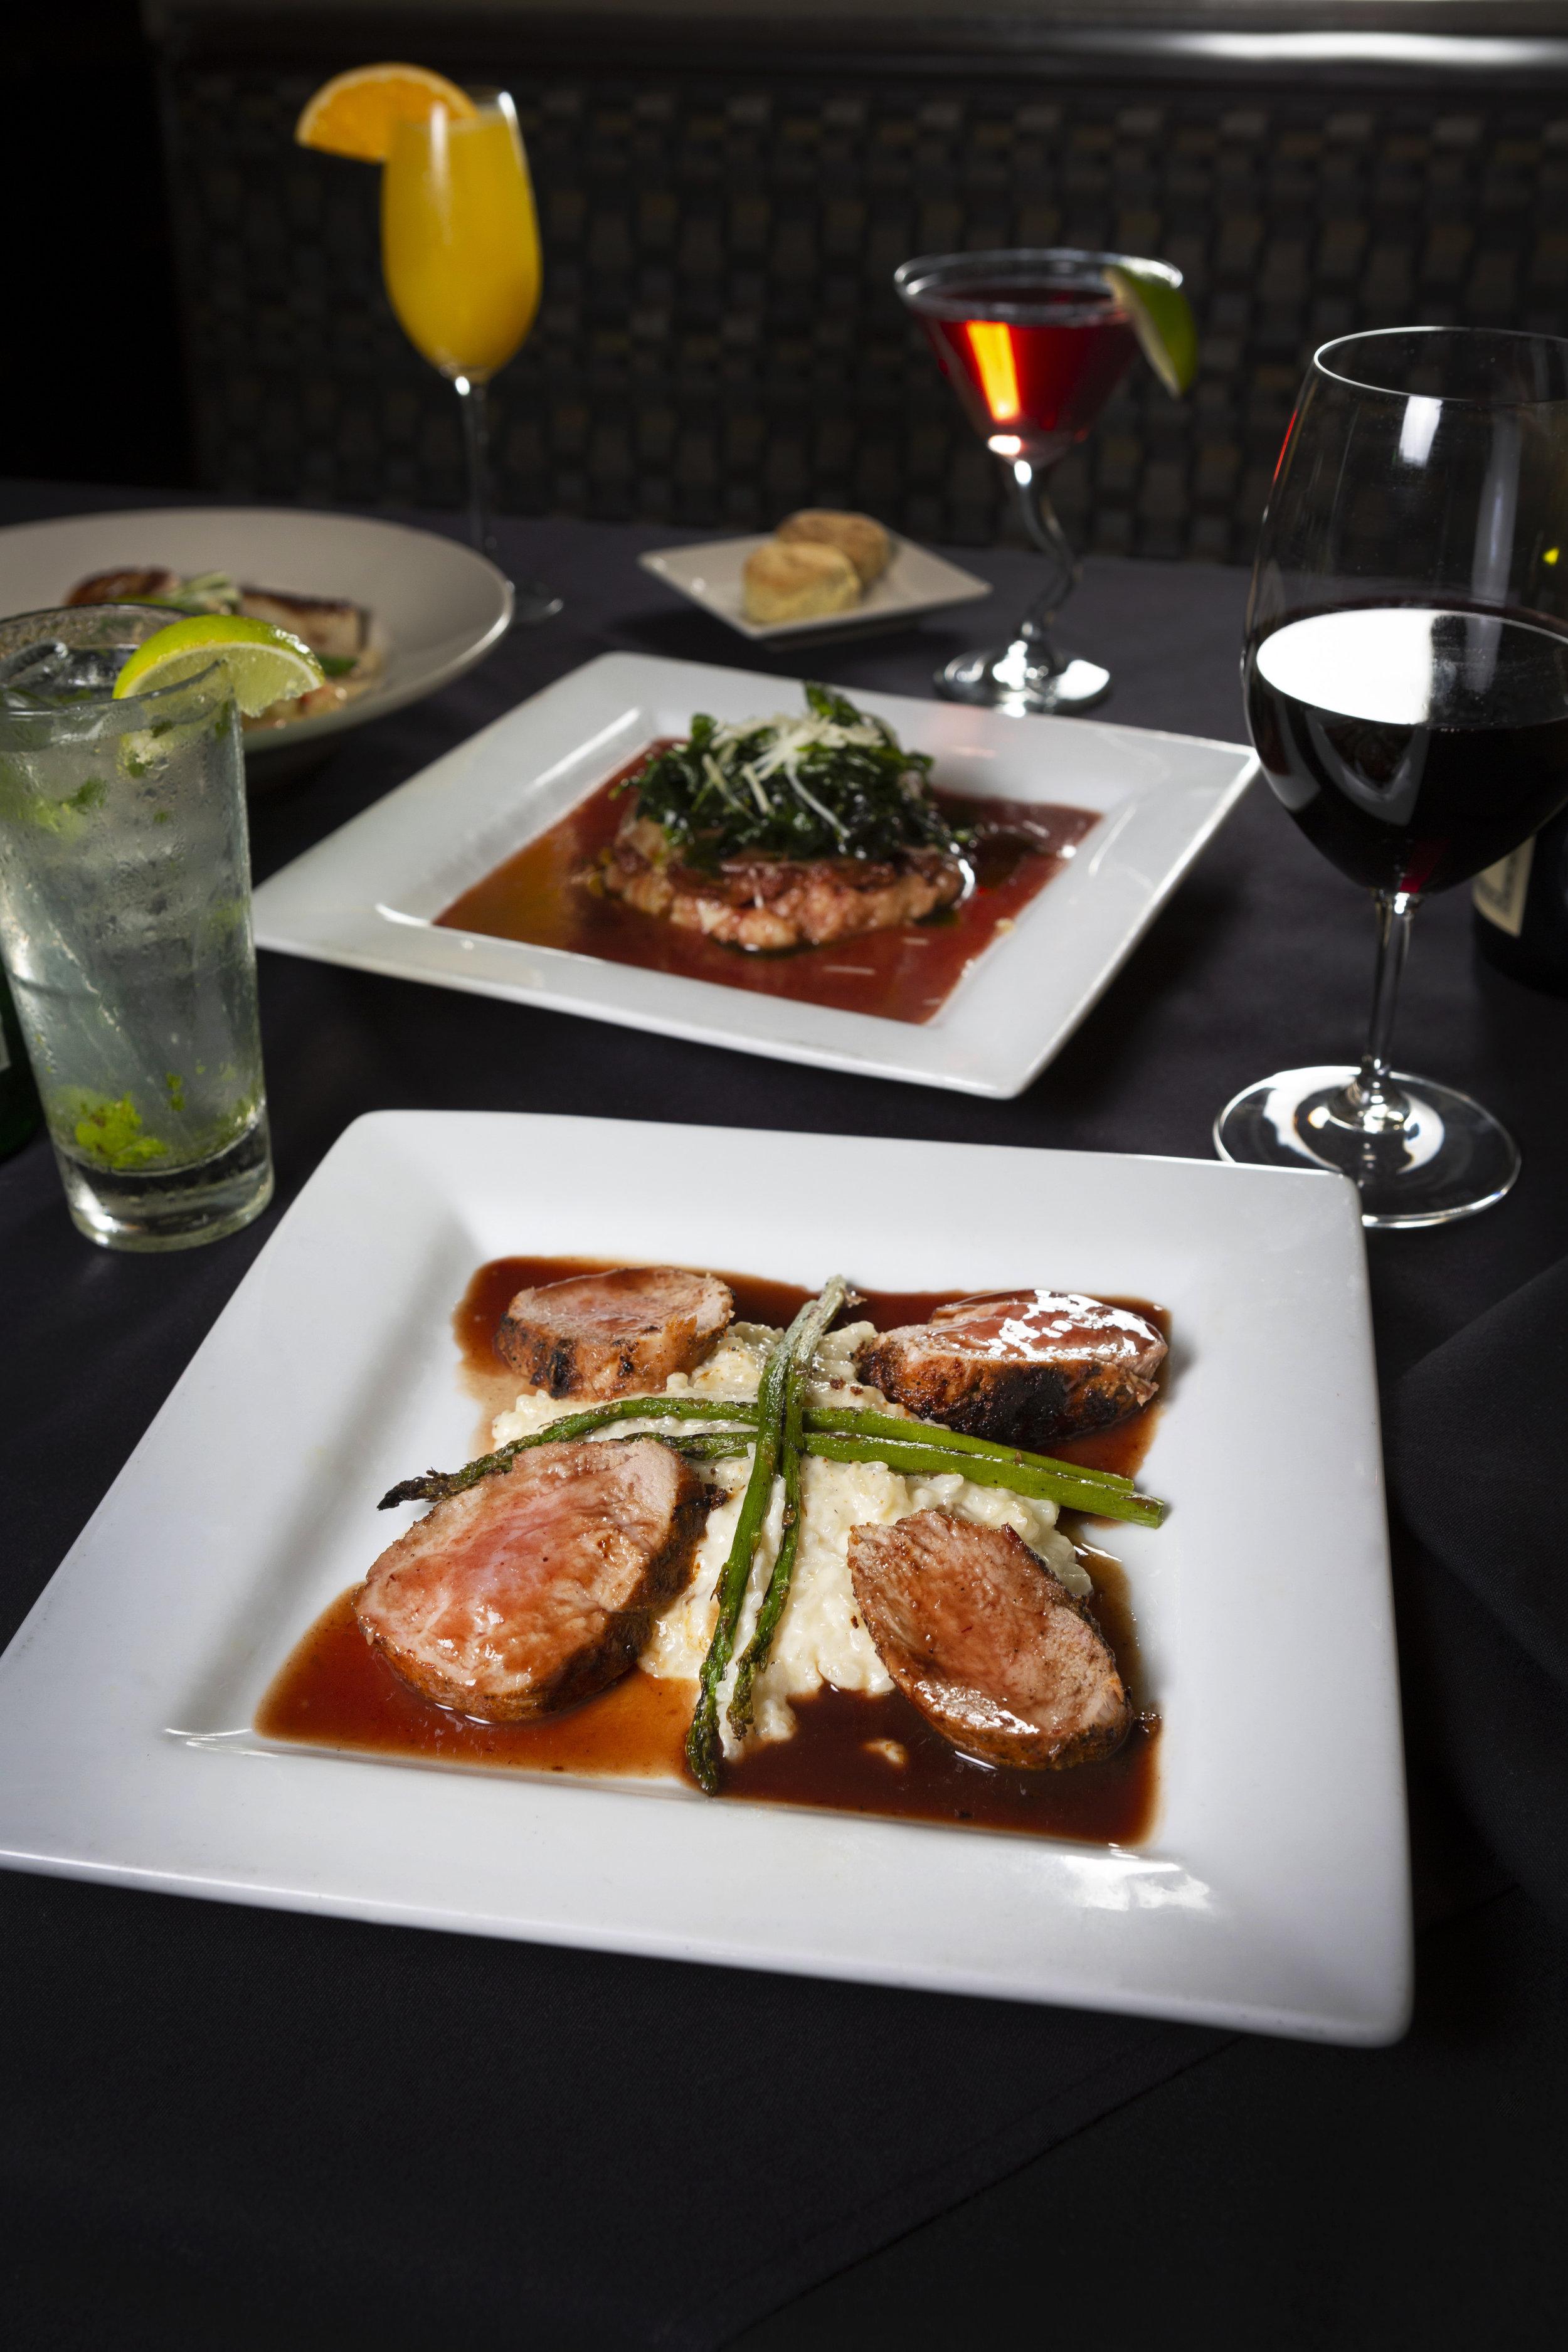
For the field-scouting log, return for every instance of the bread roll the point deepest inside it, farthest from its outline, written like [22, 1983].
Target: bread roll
[865, 543]
[798, 582]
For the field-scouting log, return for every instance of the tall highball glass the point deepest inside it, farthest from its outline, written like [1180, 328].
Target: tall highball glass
[125, 926]
[1405, 669]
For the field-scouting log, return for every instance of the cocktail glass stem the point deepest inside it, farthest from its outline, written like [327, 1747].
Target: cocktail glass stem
[531, 601]
[472, 392]
[1372, 1102]
[1040, 519]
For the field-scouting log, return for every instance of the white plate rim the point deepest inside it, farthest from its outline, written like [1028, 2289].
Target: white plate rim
[1273, 1895]
[410, 681]
[353, 898]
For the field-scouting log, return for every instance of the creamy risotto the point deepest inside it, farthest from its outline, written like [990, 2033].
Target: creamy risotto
[820, 1637]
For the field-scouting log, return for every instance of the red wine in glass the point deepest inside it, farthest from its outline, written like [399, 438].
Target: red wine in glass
[1033, 384]
[1405, 669]
[1412, 746]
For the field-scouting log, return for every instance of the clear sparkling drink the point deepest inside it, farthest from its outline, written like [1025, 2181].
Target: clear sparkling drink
[125, 924]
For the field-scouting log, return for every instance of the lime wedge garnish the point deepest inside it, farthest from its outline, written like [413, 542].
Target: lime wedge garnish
[265, 665]
[1162, 321]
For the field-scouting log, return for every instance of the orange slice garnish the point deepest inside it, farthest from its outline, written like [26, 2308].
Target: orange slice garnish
[356, 113]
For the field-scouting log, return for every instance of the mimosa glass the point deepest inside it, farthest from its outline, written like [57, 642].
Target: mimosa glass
[459, 252]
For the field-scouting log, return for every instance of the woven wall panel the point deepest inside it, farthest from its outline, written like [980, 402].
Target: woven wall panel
[718, 340]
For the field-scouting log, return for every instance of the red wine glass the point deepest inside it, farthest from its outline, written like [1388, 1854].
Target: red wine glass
[1405, 670]
[1034, 343]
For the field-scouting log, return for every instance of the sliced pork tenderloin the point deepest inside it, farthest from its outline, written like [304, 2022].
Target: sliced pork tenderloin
[596, 1336]
[535, 1588]
[1022, 1367]
[990, 1647]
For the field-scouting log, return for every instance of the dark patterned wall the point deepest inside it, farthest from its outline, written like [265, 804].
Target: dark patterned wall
[718, 341]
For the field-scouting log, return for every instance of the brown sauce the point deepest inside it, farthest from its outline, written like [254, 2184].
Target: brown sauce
[906, 974]
[335, 1691]
[850, 1754]
[478, 1315]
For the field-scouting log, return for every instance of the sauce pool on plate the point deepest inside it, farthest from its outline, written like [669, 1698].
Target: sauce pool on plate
[905, 975]
[850, 1754]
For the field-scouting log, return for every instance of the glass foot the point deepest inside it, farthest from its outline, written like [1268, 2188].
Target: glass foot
[1013, 678]
[532, 602]
[1448, 1158]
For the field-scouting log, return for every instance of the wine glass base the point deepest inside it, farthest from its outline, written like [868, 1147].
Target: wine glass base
[1010, 678]
[1450, 1160]
[532, 602]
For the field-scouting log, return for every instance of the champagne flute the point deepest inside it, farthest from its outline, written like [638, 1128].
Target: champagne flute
[459, 252]
[1405, 670]
[1034, 343]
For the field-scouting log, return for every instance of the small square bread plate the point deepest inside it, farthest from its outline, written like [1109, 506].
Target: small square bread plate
[1272, 1893]
[368, 894]
[915, 582]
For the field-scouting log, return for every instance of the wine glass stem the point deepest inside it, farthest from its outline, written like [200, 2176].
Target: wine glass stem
[1040, 519]
[1372, 1100]
[477, 441]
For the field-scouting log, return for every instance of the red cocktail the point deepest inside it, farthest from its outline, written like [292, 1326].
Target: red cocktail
[1034, 365]
[1034, 343]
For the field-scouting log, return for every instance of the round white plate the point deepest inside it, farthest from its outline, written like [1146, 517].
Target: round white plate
[437, 607]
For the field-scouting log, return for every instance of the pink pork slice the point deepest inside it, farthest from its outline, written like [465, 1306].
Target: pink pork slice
[535, 1588]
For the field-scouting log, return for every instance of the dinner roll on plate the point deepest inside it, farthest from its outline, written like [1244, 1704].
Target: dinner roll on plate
[863, 540]
[797, 580]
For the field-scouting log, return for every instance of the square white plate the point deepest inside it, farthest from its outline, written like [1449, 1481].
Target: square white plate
[1273, 1892]
[366, 895]
[915, 581]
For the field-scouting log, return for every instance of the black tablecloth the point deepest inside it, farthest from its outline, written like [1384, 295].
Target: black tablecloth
[223, 2124]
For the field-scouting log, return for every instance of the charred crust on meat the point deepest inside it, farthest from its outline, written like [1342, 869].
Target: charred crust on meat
[1028, 1404]
[1096, 1365]
[607, 1335]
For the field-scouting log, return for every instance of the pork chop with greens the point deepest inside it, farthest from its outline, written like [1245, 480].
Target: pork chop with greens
[786, 832]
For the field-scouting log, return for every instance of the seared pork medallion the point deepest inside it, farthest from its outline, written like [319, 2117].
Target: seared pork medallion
[990, 1647]
[733, 1507]
[1024, 1367]
[615, 1334]
[786, 833]
[532, 1590]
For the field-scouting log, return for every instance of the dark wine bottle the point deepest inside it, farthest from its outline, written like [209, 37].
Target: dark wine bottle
[1521, 910]
[19, 1111]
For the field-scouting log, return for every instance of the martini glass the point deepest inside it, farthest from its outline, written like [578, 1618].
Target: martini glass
[1405, 670]
[1034, 343]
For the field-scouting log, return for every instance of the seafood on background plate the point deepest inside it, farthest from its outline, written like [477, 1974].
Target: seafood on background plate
[337, 631]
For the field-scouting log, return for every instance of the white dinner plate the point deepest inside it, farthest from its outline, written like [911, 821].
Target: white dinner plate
[367, 895]
[1273, 1891]
[915, 582]
[435, 608]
